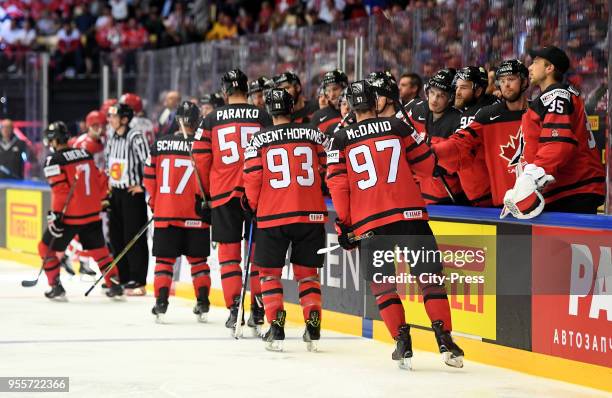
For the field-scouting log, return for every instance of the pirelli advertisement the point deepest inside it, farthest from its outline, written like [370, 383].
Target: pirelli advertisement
[533, 287]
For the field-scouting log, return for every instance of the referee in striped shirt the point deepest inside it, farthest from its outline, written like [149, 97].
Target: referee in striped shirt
[126, 153]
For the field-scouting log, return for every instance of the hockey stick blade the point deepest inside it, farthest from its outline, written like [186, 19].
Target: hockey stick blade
[325, 250]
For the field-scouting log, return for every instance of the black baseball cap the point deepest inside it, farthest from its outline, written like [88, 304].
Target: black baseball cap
[554, 55]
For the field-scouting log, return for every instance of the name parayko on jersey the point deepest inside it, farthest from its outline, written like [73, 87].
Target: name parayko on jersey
[237, 113]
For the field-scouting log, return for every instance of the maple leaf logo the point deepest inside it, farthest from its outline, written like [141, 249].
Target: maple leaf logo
[513, 150]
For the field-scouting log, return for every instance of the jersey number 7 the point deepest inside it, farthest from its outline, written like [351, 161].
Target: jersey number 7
[367, 166]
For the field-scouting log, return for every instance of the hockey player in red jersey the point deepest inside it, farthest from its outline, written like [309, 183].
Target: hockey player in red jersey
[495, 132]
[256, 91]
[181, 217]
[92, 142]
[562, 159]
[64, 167]
[370, 178]
[139, 121]
[326, 119]
[283, 186]
[470, 96]
[436, 119]
[219, 154]
[302, 109]
[210, 102]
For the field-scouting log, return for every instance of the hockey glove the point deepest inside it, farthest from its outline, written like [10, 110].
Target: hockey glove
[55, 224]
[246, 208]
[345, 236]
[202, 209]
[538, 175]
[524, 201]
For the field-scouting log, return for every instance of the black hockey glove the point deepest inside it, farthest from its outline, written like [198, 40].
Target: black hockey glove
[202, 209]
[246, 208]
[345, 236]
[55, 224]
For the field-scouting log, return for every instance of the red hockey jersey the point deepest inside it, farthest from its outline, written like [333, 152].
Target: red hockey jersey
[282, 175]
[171, 180]
[326, 120]
[558, 138]
[219, 147]
[84, 141]
[421, 117]
[370, 173]
[496, 133]
[61, 170]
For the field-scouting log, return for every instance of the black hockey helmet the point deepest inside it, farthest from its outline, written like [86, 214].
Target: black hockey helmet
[234, 81]
[511, 67]
[287, 77]
[258, 85]
[444, 80]
[56, 131]
[214, 99]
[361, 96]
[475, 74]
[384, 84]
[279, 102]
[335, 77]
[188, 114]
[121, 110]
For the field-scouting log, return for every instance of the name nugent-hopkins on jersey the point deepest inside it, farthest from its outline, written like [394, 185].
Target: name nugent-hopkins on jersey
[288, 134]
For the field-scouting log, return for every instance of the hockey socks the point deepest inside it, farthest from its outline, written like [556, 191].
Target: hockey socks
[390, 306]
[51, 263]
[254, 277]
[271, 291]
[309, 289]
[436, 304]
[103, 258]
[231, 273]
[164, 270]
[200, 276]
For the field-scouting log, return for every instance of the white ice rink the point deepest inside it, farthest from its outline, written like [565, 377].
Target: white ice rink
[114, 349]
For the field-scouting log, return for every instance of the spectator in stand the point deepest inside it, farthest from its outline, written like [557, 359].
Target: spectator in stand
[166, 122]
[68, 56]
[47, 23]
[13, 153]
[85, 22]
[120, 10]
[104, 19]
[223, 28]
[155, 27]
[133, 37]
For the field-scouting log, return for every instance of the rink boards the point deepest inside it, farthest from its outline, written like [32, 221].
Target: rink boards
[545, 306]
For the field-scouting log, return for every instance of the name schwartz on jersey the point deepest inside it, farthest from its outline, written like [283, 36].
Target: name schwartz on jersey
[182, 145]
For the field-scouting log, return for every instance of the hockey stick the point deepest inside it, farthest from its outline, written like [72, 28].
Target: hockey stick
[197, 173]
[442, 178]
[245, 278]
[30, 283]
[354, 238]
[120, 256]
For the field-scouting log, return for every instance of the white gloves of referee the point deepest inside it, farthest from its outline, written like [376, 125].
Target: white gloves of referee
[525, 201]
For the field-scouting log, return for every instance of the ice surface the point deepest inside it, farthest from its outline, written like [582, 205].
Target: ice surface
[115, 349]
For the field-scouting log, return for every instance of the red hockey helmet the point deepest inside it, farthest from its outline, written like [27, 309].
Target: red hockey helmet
[95, 117]
[107, 104]
[133, 100]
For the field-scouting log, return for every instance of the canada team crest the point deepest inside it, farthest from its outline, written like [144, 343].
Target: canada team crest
[513, 150]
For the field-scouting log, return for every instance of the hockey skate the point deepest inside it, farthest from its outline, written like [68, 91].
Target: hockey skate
[65, 264]
[57, 292]
[233, 316]
[202, 306]
[115, 291]
[161, 305]
[256, 318]
[275, 336]
[452, 355]
[312, 334]
[84, 269]
[403, 348]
